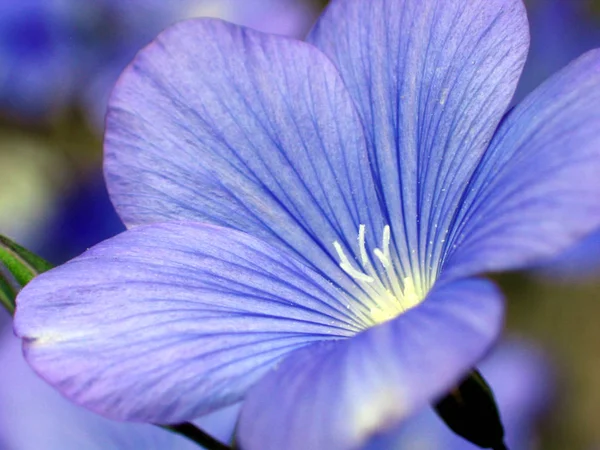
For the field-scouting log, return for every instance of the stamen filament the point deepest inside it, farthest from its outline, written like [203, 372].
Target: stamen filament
[361, 245]
[383, 254]
[348, 268]
[385, 262]
[386, 241]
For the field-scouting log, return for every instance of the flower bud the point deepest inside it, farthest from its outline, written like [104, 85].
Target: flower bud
[470, 411]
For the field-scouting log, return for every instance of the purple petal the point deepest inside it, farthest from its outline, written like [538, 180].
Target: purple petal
[338, 394]
[432, 80]
[536, 191]
[221, 124]
[35, 416]
[166, 322]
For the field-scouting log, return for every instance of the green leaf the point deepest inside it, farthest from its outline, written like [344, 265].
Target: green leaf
[20, 264]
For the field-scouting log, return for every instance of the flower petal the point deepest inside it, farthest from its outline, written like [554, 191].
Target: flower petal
[166, 322]
[35, 416]
[338, 394]
[221, 124]
[536, 191]
[432, 80]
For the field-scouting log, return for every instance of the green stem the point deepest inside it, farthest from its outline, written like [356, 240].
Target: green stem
[195, 434]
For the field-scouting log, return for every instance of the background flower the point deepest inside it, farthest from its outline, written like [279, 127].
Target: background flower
[38, 59]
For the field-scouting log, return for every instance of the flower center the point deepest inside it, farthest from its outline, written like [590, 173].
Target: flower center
[389, 294]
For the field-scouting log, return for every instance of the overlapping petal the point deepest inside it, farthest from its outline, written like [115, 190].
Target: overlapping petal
[250, 131]
[536, 190]
[166, 322]
[432, 80]
[338, 394]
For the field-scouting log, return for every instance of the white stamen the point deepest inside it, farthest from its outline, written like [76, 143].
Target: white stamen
[386, 241]
[384, 254]
[348, 268]
[361, 244]
[382, 258]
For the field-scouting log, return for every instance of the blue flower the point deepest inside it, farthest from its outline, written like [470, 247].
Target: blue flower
[307, 221]
[34, 416]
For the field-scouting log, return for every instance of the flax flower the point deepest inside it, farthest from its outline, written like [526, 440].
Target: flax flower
[308, 221]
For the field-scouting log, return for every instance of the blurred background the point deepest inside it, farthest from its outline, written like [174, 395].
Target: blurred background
[58, 62]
